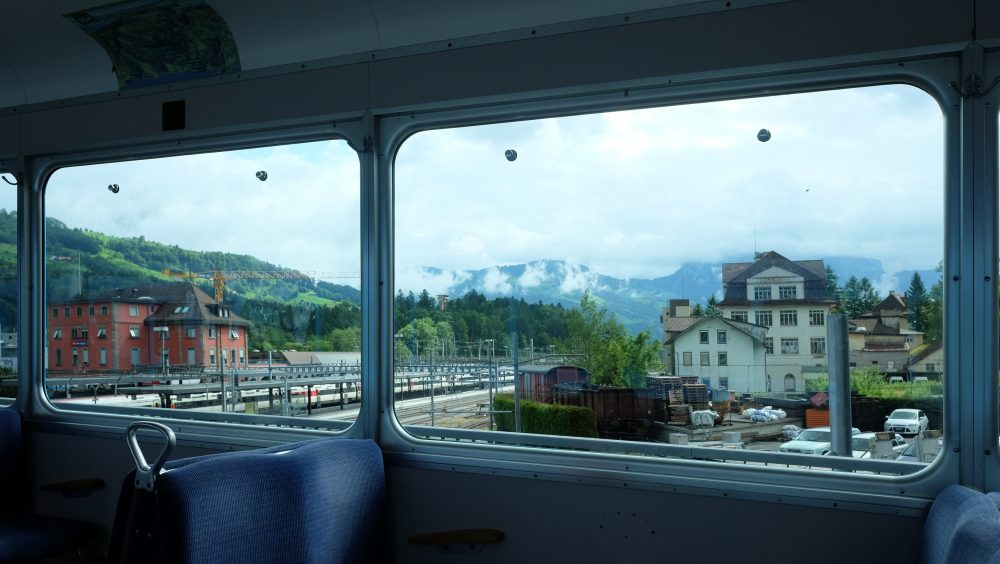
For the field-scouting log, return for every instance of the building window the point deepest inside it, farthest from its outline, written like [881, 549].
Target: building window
[232, 356]
[687, 358]
[135, 356]
[102, 333]
[86, 357]
[90, 311]
[190, 359]
[103, 356]
[241, 356]
[789, 345]
[58, 357]
[211, 356]
[786, 292]
[79, 311]
[739, 316]
[76, 357]
[66, 311]
[724, 382]
[723, 359]
[55, 312]
[57, 333]
[133, 331]
[929, 367]
[703, 337]
[190, 332]
[104, 310]
[769, 345]
[789, 317]
[789, 383]
[817, 345]
[704, 358]
[720, 337]
[234, 333]
[133, 310]
[211, 331]
[763, 318]
[816, 317]
[761, 292]
[84, 333]
[74, 333]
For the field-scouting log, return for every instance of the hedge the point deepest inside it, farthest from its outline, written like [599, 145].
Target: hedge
[545, 418]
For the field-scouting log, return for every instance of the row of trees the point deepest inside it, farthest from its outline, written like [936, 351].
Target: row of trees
[474, 326]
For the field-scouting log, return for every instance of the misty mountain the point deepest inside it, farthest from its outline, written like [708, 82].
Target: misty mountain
[637, 302]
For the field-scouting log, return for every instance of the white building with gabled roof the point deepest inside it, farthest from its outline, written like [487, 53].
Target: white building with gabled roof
[790, 299]
[721, 352]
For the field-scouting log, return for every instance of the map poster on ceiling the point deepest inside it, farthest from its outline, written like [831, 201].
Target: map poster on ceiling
[160, 41]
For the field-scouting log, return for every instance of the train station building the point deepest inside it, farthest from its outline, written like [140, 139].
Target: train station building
[150, 328]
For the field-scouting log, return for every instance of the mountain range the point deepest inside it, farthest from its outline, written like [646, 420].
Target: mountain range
[637, 302]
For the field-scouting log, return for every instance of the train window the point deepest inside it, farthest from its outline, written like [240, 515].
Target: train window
[253, 253]
[8, 287]
[555, 277]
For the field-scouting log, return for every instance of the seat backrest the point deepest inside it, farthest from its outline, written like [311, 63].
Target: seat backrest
[963, 526]
[12, 463]
[315, 501]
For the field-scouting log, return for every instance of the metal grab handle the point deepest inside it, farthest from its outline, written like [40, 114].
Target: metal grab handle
[145, 474]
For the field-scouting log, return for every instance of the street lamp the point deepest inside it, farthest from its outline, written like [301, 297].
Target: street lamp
[164, 355]
[490, 392]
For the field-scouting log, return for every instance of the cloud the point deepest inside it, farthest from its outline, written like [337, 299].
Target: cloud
[496, 282]
[534, 275]
[576, 280]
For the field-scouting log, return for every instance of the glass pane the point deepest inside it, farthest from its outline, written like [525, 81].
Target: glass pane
[8, 287]
[564, 276]
[222, 283]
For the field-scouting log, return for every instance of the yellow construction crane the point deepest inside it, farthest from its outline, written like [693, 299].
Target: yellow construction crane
[219, 277]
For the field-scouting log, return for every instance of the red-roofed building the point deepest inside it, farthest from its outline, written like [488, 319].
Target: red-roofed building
[141, 328]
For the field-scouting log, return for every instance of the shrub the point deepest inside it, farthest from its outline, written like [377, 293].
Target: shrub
[545, 418]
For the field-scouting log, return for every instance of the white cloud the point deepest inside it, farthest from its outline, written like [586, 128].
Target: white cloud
[629, 194]
[534, 275]
[496, 282]
[576, 280]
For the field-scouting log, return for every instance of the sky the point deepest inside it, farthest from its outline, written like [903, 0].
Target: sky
[630, 194]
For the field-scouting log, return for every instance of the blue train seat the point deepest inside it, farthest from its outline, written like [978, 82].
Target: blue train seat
[321, 500]
[963, 527]
[23, 536]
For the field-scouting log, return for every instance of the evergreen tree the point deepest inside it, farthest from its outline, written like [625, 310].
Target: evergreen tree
[712, 309]
[916, 297]
[833, 291]
[859, 297]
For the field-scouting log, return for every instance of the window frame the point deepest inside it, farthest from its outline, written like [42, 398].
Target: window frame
[399, 444]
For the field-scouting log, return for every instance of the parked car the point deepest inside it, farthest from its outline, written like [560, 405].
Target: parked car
[812, 441]
[909, 454]
[906, 421]
[860, 445]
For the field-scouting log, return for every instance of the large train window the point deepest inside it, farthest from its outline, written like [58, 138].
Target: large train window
[666, 275]
[221, 286]
[8, 286]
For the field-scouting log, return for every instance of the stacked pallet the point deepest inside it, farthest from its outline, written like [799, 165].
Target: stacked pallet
[680, 414]
[696, 395]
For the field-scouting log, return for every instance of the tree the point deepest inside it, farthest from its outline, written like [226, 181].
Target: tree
[712, 308]
[610, 355]
[916, 297]
[832, 290]
[933, 310]
[858, 297]
[696, 311]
